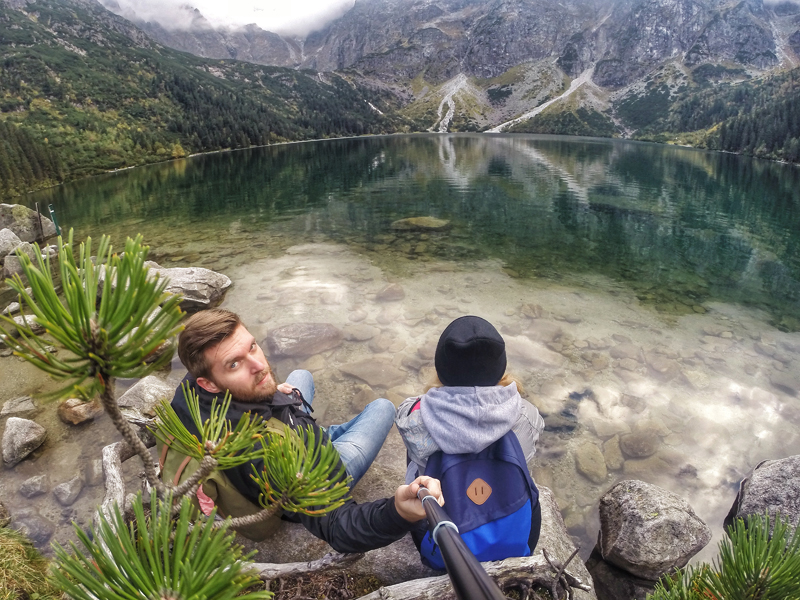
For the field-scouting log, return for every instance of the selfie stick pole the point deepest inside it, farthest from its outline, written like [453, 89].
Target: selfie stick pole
[469, 579]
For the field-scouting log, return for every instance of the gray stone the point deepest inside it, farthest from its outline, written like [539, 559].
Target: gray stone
[12, 263]
[773, 487]
[25, 321]
[639, 444]
[11, 309]
[785, 382]
[532, 354]
[20, 438]
[359, 333]
[18, 405]
[75, 411]
[391, 293]
[201, 288]
[376, 372]
[544, 331]
[34, 526]
[662, 367]
[35, 486]
[303, 339]
[66, 493]
[420, 224]
[626, 350]
[611, 583]
[613, 454]
[145, 394]
[590, 462]
[24, 222]
[648, 531]
[8, 241]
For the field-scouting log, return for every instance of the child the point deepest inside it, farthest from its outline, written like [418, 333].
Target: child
[473, 404]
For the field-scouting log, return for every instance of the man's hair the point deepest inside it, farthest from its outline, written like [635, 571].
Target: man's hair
[204, 330]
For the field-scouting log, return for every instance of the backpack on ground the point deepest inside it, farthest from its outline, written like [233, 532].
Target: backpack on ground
[490, 496]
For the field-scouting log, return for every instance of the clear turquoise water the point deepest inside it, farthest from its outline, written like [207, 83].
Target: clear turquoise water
[641, 289]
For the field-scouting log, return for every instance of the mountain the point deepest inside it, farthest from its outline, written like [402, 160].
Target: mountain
[83, 91]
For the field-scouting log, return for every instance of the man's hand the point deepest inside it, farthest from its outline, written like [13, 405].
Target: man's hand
[285, 388]
[406, 502]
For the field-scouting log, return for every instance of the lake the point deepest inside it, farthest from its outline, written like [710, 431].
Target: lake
[649, 295]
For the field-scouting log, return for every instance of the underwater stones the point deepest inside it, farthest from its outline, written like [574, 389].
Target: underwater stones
[640, 444]
[24, 222]
[23, 321]
[201, 288]
[35, 486]
[8, 241]
[66, 493]
[785, 382]
[93, 472]
[605, 428]
[18, 405]
[662, 367]
[375, 372]
[532, 354]
[543, 331]
[648, 531]
[697, 379]
[303, 339]
[357, 316]
[20, 438]
[420, 224]
[626, 350]
[612, 454]
[773, 487]
[590, 462]
[391, 293]
[34, 526]
[359, 333]
[75, 411]
[145, 394]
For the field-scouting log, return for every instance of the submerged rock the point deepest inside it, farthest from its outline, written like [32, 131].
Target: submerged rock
[590, 462]
[303, 339]
[773, 487]
[201, 288]
[66, 493]
[21, 437]
[34, 526]
[391, 293]
[18, 405]
[648, 531]
[420, 224]
[35, 486]
[75, 411]
[376, 372]
[612, 583]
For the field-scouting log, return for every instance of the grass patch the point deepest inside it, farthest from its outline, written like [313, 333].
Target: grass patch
[23, 571]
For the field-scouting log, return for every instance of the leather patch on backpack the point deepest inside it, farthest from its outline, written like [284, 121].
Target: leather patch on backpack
[479, 491]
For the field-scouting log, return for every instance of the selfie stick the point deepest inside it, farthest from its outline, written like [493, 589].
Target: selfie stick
[470, 581]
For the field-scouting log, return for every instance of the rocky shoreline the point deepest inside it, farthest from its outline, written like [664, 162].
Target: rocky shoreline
[597, 432]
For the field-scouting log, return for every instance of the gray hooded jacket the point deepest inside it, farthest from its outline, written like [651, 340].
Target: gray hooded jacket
[458, 420]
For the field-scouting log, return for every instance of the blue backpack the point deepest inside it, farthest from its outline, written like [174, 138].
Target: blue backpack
[490, 496]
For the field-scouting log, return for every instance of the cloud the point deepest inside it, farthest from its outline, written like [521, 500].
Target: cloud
[293, 18]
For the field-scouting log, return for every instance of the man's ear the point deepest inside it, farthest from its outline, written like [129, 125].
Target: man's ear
[208, 385]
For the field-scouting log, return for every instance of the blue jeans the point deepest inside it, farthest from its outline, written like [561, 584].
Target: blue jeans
[359, 440]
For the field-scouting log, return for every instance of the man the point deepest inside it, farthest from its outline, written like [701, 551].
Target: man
[220, 354]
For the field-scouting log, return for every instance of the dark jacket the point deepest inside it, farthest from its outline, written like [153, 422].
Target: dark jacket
[349, 528]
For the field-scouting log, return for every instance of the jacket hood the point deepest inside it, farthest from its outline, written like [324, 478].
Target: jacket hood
[468, 419]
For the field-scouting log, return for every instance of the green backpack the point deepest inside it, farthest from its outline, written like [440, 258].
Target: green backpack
[177, 468]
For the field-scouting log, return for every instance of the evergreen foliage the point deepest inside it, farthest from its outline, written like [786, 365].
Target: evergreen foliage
[759, 560]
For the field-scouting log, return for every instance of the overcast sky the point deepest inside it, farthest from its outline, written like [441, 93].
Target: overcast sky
[282, 16]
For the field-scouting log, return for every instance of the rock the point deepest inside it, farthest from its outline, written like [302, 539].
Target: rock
[590, 462]
[24, 222]
[785, 382]
[11, 309]
[35, 486]
[66, 493]
[8, 241]
[76, 411]
[639, 445]
[12, 262]
[21, 437]
[772, 487]
[18, 405]
[23, 321]
[626, 350]
[611, 583]
[357, 316]
[375, 372]
[532, 354]
[5, 516]
[697, 379]
[303, 339]
[391, 293]
[359, 333]
[662, 367]
[201, 288]
[555, 423]
[605, 428]
[145, 394]
[420, 224]
[34, 526]
[93, 472]
[648, 531]
[612, 454]
[544, 331]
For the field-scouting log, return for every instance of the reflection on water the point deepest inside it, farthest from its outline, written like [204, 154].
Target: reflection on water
[648, 295]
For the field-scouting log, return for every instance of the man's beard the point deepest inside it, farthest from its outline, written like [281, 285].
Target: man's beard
[263, 395]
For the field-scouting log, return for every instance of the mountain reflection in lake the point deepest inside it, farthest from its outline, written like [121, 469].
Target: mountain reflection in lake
[648, 295]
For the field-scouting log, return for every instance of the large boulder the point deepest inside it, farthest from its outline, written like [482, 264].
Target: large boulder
[201, 288]
[772, 487]
[303, 339]
[145, 394]
[20, 438]
[648, 531]
[24, 222]
[8, 241]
